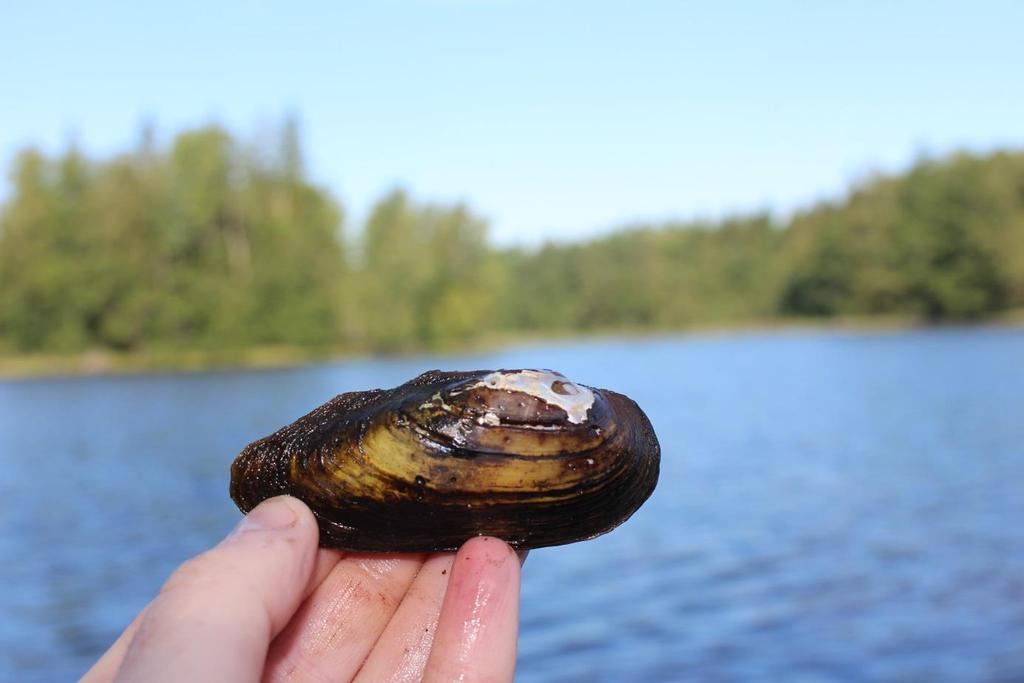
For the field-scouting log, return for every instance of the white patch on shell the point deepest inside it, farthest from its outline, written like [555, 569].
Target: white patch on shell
[489, 419]
[576, 400]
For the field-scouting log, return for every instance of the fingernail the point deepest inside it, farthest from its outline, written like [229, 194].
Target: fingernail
[272, 514]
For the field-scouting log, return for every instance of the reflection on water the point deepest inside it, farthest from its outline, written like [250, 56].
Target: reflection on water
[832, 507]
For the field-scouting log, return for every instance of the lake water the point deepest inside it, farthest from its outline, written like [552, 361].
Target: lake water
[832, 507]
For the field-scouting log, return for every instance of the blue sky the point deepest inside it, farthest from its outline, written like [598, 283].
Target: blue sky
[555, 120]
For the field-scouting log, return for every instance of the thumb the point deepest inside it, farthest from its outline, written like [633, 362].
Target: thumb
[216, 615]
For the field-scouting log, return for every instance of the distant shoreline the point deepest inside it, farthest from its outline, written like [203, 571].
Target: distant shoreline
[99, 363]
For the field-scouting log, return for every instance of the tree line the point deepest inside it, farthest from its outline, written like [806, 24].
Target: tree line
[212, 243]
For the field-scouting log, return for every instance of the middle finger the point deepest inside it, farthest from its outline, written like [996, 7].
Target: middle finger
[400, 654]
[335, 628]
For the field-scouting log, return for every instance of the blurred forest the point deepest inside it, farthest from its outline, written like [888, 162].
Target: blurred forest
[213, 243]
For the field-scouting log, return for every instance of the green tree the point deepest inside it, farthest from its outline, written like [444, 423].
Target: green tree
[427, 277]
[199, 245]
[212, 243]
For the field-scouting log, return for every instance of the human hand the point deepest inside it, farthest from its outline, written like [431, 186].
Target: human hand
[267, 604]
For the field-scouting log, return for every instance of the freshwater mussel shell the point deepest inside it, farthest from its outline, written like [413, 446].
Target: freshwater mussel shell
[524, 455]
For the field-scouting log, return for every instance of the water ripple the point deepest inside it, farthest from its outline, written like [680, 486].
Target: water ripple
[832, 507]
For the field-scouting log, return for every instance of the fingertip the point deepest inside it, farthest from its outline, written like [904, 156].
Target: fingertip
[476, 635]
[302, 511]
[485, 563]
[281, 518]
[278, 513]
[487, 548]
[491, 557]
